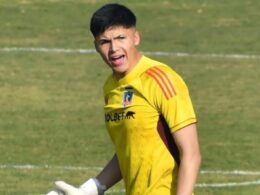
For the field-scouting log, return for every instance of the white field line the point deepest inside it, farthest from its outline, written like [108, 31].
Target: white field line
[78, 168]
[155, 53]
[28, 166]
[229, 184]
[234, 172]
[47, 50]
[199, 185]
[205, 185]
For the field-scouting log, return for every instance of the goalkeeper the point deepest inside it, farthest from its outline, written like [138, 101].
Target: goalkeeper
[148, 114]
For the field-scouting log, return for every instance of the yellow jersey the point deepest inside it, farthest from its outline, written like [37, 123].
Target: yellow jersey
[142, 110]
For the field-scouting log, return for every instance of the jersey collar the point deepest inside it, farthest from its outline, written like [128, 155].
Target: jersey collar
[139, 68]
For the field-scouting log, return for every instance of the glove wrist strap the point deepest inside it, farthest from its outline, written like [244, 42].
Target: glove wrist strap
[93, 186]
[101, 188]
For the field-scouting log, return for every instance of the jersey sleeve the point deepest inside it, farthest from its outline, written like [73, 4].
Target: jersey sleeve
[169, 94]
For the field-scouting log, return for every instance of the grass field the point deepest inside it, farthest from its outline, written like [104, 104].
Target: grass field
[52, 105]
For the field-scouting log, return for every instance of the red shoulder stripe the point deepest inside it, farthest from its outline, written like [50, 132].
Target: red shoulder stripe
[151, 74]
[163, 80]
[163, 77]
[167, 78]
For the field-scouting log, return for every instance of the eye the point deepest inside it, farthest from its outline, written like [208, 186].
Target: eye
[121, 37]
[103, 41]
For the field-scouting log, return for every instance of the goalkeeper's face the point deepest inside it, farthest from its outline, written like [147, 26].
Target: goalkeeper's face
[118, 48]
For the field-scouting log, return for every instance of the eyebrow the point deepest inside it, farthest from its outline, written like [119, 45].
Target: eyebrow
[104, 39]
[118, 36]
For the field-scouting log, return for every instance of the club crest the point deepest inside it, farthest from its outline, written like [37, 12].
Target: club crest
[127, 98]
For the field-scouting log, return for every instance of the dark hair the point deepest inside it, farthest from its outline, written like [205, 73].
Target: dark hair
[111, 15]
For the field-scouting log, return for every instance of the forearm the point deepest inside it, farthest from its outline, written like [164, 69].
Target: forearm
[188, 172]
[190, 159]
[111, 173]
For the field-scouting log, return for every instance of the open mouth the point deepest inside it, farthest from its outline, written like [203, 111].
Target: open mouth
[117, 60]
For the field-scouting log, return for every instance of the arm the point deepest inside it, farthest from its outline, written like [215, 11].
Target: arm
[111, 174]
[190, 158]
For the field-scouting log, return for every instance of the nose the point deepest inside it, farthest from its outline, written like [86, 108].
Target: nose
[113, 46]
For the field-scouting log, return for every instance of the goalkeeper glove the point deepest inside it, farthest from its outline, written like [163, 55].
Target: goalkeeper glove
[90, 187]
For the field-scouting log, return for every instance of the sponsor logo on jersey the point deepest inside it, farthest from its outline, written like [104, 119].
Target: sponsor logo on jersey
[127, 97]
[118, 116]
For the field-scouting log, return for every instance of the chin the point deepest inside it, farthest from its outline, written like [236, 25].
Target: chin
[120, 69]
[120, 73]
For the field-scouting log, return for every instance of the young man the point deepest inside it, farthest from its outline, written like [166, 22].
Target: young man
[148, 114]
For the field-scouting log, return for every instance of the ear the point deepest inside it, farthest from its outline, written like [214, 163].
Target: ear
[137, 38]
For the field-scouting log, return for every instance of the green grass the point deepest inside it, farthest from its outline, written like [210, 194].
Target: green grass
[51, 104]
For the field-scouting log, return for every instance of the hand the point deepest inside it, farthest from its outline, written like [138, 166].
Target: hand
[55, 192]
[62, 188]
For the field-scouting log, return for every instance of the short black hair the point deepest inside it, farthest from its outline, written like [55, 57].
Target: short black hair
[111, 15]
